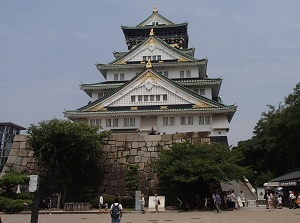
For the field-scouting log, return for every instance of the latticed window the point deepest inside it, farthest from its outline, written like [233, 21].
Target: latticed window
[129, 122]
[116, 77]
[108, 122]
[122, 76]
[159, 57]
[190, 120]
[182, 74]
[165, 97]
[96, 122]
[168, 121]
[115, 122]
[146, 97]
[182, 121]
[133, 98]
[151, 97]
[157, 97]
[188, 73]
[204, 120]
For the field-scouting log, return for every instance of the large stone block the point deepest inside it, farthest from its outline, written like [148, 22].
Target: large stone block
[135, 138]
[145, 183]
[144, 159]
[133, 152]
[20, 138]
[177, 136]
[119, 143]
[23, 145]
[15, 145]
[152, 138]
[154, 154]
[141, 166]
[135, 145]
[23, 152]
[117, 137]
[137, 159]
[167, 137]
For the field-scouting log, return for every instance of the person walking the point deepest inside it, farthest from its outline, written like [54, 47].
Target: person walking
[142, 202]
[47, 202]
[218, 202]
[100, 204]
[243, 198]
[156, 203]
[116, 211]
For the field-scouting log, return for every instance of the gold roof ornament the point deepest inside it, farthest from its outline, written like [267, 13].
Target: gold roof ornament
[155, 9]
[151, 32]
[149, 65]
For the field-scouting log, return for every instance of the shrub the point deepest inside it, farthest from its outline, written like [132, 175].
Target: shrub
[12, 206]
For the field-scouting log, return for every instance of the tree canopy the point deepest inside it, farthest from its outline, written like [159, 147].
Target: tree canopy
[67, 150]
[187, 168]
[274, 148]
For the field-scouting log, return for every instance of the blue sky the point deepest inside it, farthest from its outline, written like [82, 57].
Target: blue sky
[47, 48]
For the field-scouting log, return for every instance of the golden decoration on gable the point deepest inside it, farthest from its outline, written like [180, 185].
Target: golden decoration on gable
[97, 108]
[151, 32]
[163, 107]
[122, 62]
[201, 105]
[151, 41]
[149, 65]
[147, 76]
[133, 108]
[182, 59]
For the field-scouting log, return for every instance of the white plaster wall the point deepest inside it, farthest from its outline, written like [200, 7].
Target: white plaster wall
[220, 122]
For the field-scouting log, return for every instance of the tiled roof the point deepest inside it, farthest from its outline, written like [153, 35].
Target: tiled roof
[288, 176]
[218, 106]
[180, 52]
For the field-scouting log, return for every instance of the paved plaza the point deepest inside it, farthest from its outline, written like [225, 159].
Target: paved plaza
[246, 215]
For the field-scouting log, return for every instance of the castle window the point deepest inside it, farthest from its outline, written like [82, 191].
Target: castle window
[129, 122]
[96, 122]
[153, 57]
[157, 97]
[133, 98]
[108, 122]
[158, 57]
[145, 97]
[116, 77]
[122, 76]
[115, 122]
[165, 97]
[188, 73]
[190, 120]
[140, 97]
[167, 121]
[166, 74]
[204, 120]
[182, 74]
[151, 97]
[182, 121]
[144, 58]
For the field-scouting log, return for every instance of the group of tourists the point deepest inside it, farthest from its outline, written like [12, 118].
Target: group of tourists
[276, 199]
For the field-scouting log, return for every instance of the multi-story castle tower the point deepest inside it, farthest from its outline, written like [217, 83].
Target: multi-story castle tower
[156, 87]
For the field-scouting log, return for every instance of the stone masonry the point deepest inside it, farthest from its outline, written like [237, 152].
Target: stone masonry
[120, 150]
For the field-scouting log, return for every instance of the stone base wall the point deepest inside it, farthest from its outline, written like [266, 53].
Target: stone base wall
[120, 150]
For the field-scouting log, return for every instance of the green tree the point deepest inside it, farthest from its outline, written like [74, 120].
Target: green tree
[10, 180]
[274, 148]
[10, 201]
[132, 180]
[67, 150]
[186, 168]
